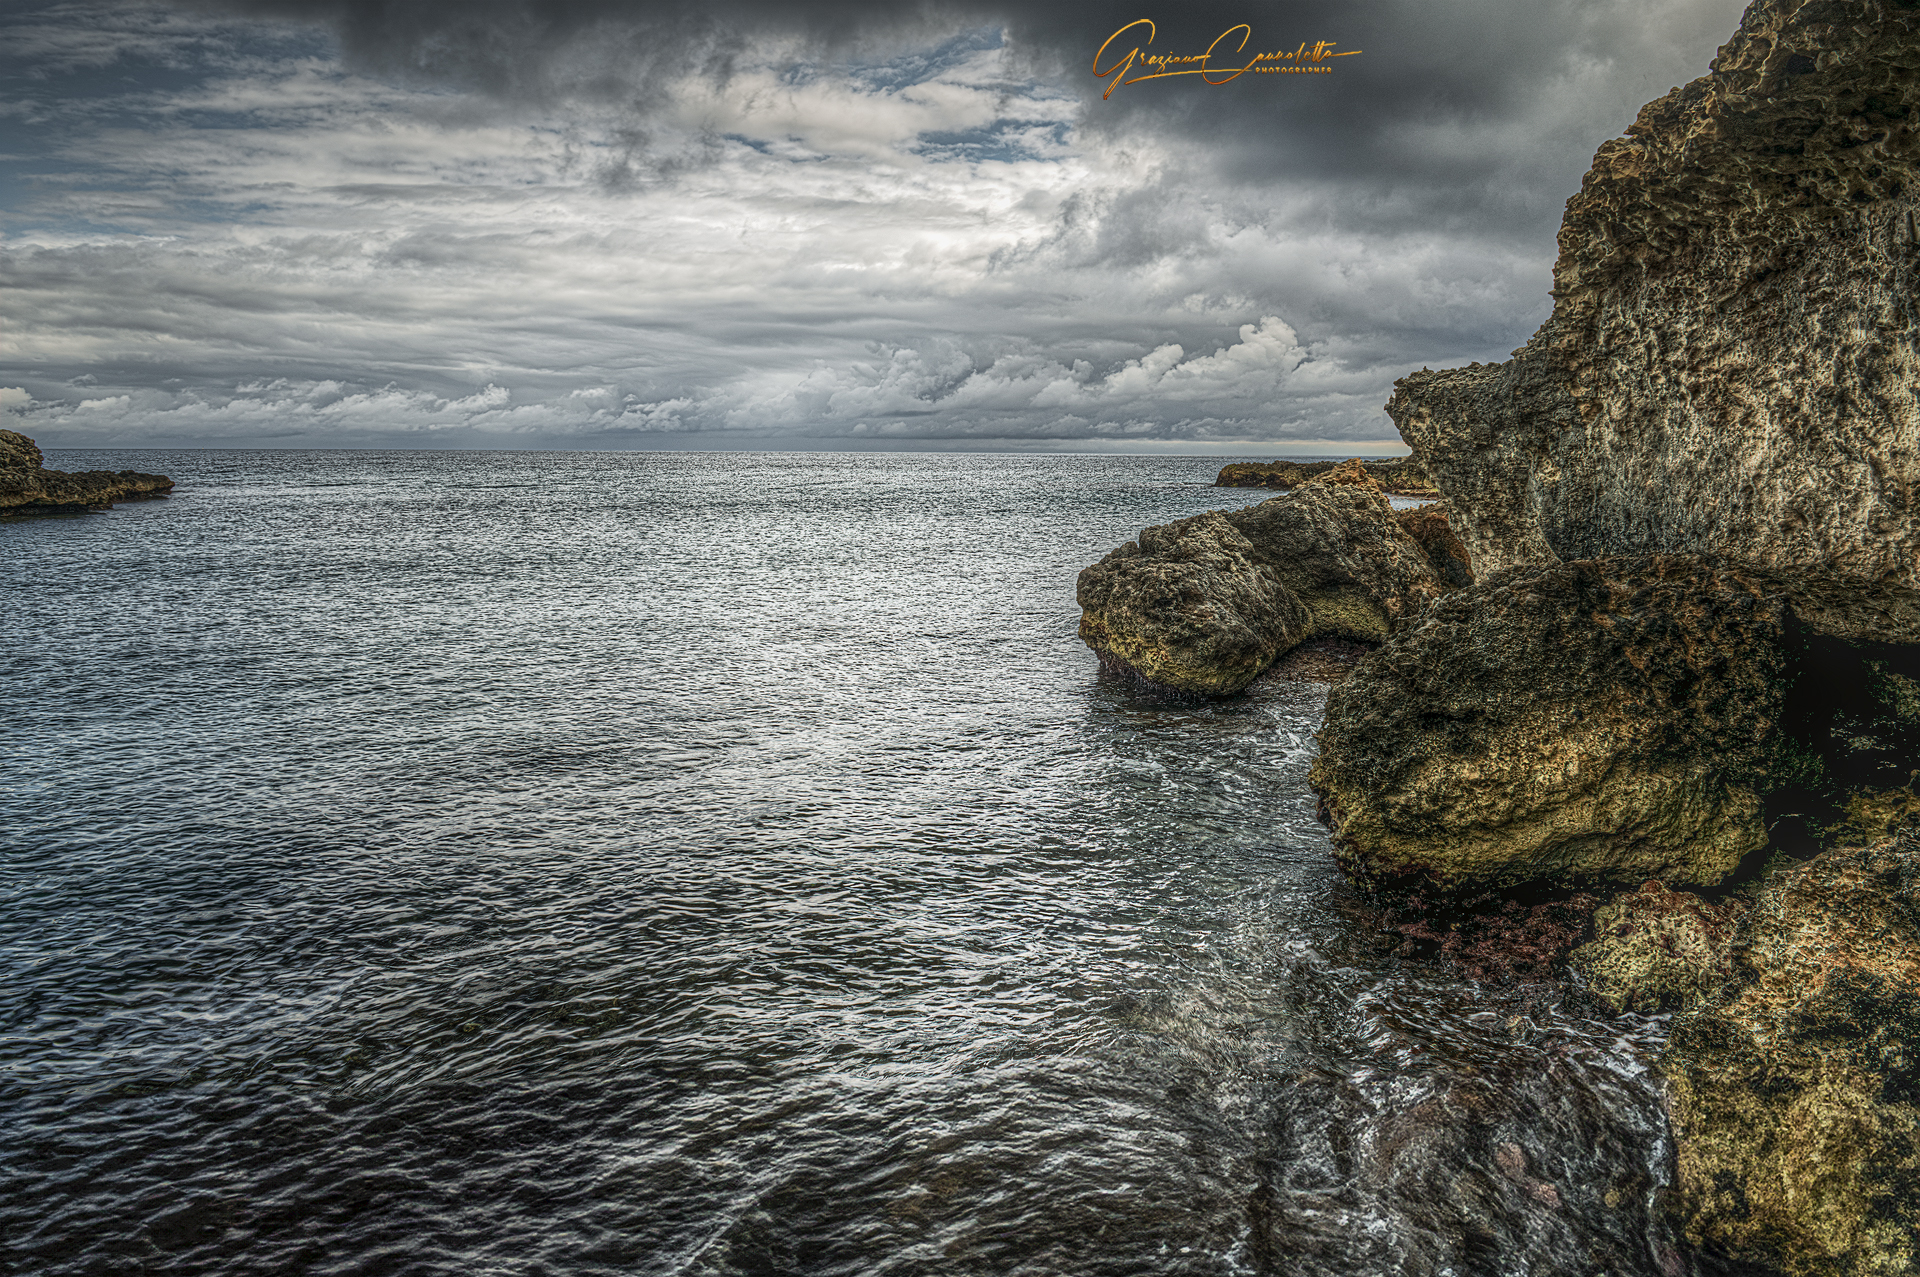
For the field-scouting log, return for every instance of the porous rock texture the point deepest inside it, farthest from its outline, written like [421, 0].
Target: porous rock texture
[1731, 363]
[28, 487]
[1657, 950]
[1203, 605]
[1598, 722]
[1191, 606]
[1795, 1094]
[1433, 532]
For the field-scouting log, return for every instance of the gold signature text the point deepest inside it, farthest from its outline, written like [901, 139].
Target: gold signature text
[1218, 65]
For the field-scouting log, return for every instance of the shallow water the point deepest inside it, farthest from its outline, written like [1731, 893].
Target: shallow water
[716, 864]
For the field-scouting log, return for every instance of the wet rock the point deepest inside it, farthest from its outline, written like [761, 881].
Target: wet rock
[1657, 950]
[1736, 333]
[1795, 1094]
[1433, 533]
[1190, 606]
[1203, 605]
[1589, 723]
[1502, 941]
[27, 487]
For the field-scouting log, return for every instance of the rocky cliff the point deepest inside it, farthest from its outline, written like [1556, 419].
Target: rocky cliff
[1731, 363]
[1691, 656]
[27, 487]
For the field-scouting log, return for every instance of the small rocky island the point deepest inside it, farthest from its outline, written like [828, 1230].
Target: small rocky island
[27, 487]
[1402, 477]
[1649, 678]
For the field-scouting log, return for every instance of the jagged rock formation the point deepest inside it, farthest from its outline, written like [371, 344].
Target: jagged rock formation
[1203, 605]
[1731, 363]
[1588, 723]
[28, 487]
[1192, 606]
[1402, 477]
[1796, 1093]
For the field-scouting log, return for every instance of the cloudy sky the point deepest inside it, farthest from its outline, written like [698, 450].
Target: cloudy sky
[648, 224]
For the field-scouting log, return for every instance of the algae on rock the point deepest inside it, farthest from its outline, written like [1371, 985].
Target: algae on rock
[1796, 1095]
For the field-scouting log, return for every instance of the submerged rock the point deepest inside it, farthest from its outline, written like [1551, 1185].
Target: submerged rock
[1204, 605]
[1730, 361]
[28, 487]
[1589, 723]
[1796, 1094]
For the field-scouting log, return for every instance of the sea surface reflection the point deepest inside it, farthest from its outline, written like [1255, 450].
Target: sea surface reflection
[578, 863]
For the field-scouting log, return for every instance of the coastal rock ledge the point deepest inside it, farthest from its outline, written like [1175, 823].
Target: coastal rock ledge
[27, 487]
[1203, 605]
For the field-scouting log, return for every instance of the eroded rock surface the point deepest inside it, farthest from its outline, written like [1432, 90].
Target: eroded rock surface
[1584, 724]
[1191, 606]
[28, 487]
[1430, 528]
[1658, 950]
[1730, 364]
[1796, 1095]
[1203, 605]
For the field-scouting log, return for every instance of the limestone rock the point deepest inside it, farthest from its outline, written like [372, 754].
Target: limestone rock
[27, 487]
[1589, 723]
[1657, 950]
[1191, 606]
[1796, 1095]
[1203, 605]
[1431, 530]
[1730, 362]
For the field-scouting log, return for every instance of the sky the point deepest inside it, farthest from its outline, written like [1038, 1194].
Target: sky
[728, 225]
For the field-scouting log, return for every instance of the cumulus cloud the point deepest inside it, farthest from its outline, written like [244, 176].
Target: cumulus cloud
[739, 225]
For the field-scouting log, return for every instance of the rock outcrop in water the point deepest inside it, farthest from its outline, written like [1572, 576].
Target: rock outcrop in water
[27, 487]
[1203, 605]
[1690, 504]
[1402, 477]
[1731, 360]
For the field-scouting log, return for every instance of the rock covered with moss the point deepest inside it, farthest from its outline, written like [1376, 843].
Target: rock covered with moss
[28, 487]
[1795, 1094]
[1587, 724]
[1203, 605]
[1735, 338]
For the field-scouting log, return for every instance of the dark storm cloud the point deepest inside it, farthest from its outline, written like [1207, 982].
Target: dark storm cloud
[1440, 97]
[740, 223]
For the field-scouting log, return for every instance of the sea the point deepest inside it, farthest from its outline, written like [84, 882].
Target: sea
[718, 864]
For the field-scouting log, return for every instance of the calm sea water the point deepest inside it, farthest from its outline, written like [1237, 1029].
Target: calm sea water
[580, 863]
